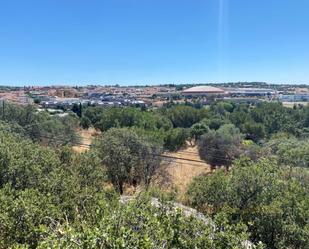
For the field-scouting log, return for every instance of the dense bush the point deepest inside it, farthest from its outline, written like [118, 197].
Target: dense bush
[59, 199]
[291, 152]
[184, 116]
[139, 224]
[40, 126]
[273, 203]
[176, 139]
[107, 118]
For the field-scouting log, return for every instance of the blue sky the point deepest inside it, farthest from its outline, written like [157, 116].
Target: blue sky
[153, 41]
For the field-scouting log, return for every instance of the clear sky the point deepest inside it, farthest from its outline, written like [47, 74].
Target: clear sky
[153, 41]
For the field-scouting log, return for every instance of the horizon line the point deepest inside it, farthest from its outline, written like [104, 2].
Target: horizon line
[144, 84]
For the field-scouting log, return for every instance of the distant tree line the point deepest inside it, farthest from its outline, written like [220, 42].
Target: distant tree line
[41, 127]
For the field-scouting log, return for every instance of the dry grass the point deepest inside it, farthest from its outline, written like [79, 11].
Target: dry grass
[178, 173]
[291, 104]
[86, 136]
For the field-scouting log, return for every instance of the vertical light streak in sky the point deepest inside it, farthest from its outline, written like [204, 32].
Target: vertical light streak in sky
[222, 34]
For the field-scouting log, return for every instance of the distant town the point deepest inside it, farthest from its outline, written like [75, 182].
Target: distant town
[65, 97]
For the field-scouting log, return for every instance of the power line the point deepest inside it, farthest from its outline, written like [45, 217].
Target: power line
[162, 155]
[166, 156]
[183, 159]
[197, 154]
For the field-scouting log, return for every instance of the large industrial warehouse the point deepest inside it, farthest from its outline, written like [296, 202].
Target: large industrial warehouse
[202, 91]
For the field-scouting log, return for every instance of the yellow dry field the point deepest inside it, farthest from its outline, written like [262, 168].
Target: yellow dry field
[177, 172]
[291, 104]
[86, 136]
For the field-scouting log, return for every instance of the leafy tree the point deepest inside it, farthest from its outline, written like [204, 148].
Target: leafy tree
[222, 108]
[127, 157]
[290, 151]
[85, 122]
[24, 165]
[12, 128]
[139, 224]
[40, 188]
[118, 117]
[176, 139]
[221, 147]
[93, 114]
[127, 117]
[185, 116]
[215, 121]
[156, 136]
[254, 131]
[199, 129]
[209, 193]
[77, 109]
[41, 127]
[88, 170]
[24, 216]
[306, 118]
[240, 117]
[275, 117]
[253, 151]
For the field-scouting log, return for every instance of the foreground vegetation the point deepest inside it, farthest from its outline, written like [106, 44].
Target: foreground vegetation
[51, 197]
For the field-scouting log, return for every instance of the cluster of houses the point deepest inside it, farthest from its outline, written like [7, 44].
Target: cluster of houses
[117, 99]
[93, 99]
[66, 97]
[297, 97]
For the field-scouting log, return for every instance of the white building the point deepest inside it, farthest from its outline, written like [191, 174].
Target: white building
[202, 91]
